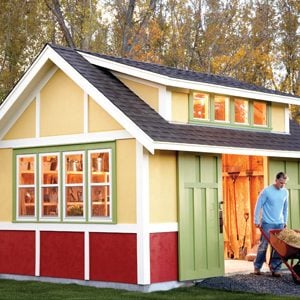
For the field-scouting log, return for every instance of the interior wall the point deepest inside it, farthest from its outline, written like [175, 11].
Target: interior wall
[243, 179]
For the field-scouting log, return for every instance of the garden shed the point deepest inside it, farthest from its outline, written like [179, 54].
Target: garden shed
[133, 175]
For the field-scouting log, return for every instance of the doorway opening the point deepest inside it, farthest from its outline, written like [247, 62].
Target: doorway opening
[243, 179]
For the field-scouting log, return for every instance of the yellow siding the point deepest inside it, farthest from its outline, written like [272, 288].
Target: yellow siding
[163, 187]
[180, 107]
[278, 117]
[6, 185]
[147, 93]
[100, 120]
[126, 181]
[61, 107]
[24, 127]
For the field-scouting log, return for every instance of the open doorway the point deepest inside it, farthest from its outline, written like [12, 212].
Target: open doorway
[243, 179]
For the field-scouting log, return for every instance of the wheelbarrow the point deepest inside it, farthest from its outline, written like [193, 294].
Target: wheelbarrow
[289, 255]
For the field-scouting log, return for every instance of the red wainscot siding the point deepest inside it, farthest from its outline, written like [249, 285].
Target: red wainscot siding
[113, 257]
[62, 254]
[17, 252]
[164, 257]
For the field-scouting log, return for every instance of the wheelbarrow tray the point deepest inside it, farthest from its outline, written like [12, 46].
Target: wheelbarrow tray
[285, 250]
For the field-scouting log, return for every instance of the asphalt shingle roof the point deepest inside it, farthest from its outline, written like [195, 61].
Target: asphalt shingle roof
[156, 127]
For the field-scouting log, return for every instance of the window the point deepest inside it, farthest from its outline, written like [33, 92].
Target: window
[200, 104]
[221, 107]
[226, 110]
[49, 186]
[241, 111]
[260, 113]
[65, 184]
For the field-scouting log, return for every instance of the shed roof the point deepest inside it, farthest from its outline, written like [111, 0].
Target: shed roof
[162, 131]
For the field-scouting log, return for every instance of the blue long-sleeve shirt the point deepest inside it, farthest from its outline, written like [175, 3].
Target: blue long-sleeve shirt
[273, 203]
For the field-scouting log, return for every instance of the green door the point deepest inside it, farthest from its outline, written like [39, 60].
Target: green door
[292, 168]
[200, 234]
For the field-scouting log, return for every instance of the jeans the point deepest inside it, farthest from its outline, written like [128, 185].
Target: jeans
[275, 261]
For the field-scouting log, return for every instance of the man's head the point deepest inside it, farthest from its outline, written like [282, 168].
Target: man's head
[280, 180]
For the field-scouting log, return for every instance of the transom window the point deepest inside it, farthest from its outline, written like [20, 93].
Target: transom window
[228, 110]
[65, 184]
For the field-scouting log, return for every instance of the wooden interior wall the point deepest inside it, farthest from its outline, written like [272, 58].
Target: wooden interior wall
[243, 179]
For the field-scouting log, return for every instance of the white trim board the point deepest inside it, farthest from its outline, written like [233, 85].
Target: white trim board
[180, 83]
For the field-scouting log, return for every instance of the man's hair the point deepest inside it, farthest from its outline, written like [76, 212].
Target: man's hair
[280, 175]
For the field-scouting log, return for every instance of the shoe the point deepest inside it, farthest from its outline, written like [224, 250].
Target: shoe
[257, 272]
[276, 274]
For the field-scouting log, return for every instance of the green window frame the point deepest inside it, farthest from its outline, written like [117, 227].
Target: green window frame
[229, 111]
[74, 183]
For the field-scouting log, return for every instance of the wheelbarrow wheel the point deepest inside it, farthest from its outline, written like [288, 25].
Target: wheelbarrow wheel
[296, 269]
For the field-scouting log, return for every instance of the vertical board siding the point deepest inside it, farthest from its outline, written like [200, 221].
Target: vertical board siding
[164, 257]
[62, 254]
[17, 252]
[113, 257]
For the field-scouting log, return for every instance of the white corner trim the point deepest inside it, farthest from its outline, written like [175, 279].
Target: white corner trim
[287, 120]
[37, 252]
[37, 115]
[180, 83]
[165, 103]
[85, 112]
[86, 255]
[142, 215]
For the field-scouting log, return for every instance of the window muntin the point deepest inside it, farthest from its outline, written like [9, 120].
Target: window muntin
[201, 106]
[241, 111]
[26, 190]
[44, 181]
[99, 183]
[74, 193]
[221, 108]
[49, 194]
[228, 110]
[259, 113]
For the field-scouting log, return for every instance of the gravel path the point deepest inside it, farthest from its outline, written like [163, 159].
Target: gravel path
[264, 283]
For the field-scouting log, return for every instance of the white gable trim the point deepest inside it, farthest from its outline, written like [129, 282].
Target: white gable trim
[49, 54]
[101, 100]
[225, 150]
[187, 84]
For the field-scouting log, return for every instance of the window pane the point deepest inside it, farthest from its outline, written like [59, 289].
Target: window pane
[26, 167]
[241, 111]
[26, 201]
[74, 201]
[260, 113]
[100, 201]
[99, 170]
[221, 105]
[50, 202]
[201, 105]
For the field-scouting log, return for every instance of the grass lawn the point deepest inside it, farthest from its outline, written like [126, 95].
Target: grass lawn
[11, 289]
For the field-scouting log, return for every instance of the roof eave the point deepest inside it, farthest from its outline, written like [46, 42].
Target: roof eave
[224, 150]
[186, 84]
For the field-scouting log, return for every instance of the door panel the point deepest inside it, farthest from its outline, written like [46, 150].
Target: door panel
[200, 240]
[292, 169]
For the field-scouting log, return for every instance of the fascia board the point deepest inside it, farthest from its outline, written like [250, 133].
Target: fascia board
[192, 85]
[24, 82]
[225, 150]
[102, 101]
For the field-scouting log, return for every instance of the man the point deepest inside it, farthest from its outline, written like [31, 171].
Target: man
[271, 212]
